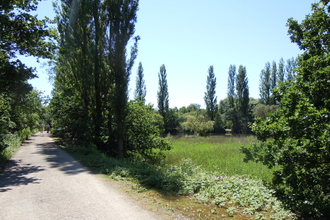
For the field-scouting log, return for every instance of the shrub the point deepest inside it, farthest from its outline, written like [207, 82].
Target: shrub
[198, 124]
[143, 134]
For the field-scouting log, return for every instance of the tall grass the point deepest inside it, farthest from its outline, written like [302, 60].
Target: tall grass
[217, 153]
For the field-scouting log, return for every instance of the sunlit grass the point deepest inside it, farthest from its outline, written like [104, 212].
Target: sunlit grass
[217, 153]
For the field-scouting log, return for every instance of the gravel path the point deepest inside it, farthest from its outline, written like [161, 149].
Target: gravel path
[44, 182]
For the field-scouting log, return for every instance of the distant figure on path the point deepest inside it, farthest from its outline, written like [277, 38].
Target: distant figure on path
[47, 128]
[41, 128]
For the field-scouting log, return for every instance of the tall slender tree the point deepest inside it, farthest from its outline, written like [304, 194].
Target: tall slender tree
[242, 91]
[162, 94]
[140, 90]
[121, 16]
[210, 97]
[281, 71]
[231, 86]
[265, 85]
[273, 82]
[290, 67]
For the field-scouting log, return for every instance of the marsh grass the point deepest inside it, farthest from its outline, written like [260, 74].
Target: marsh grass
[219, 154]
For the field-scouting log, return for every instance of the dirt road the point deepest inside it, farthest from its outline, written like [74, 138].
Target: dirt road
[44, 182]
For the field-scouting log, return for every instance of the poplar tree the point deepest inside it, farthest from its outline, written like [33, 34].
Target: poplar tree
[281, 71]
[121, 17]
[265, 85]
[140, 90]
[210, 97]
[242, 91]
[273, 82]
[290, 67]
[162, 94]
[231, 86]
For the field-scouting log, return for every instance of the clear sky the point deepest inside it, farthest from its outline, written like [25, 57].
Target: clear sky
[190, 35]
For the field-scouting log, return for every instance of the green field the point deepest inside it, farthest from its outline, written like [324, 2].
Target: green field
[217, 153]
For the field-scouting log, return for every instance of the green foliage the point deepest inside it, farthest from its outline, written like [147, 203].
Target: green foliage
[262, 110]
[69, 119]
[242, 92]
[236, 194]
[12, 143]
[272, 75]
[93, 69]
[210, 97]
[296, 136]
[218, 123]
[235, 109]
[20, 106]
[34, 39]
[143, 135]
[265, 85]
[20, 115]
[198, 124]
[140, 90]
[273, 82]
[298, 146]
[280, 72]
[172, 121]
[24, 134]
[231, 86]
[162, 94]
[291, 65]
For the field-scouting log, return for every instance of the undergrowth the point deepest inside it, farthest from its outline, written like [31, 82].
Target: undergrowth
[11, 143]
[238, 195]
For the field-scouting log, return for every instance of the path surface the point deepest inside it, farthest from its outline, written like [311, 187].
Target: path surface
[44, 182]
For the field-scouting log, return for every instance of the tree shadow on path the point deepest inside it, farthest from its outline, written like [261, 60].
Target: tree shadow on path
[59, 159]
[15, 175]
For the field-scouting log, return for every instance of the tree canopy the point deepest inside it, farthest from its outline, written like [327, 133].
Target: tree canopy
[21, 110]
[296, 137]
[21, 34]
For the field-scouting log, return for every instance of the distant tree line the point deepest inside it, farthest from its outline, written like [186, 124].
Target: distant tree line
[235, 113]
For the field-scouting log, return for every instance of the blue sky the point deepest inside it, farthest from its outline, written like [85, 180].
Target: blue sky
[190, 35]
